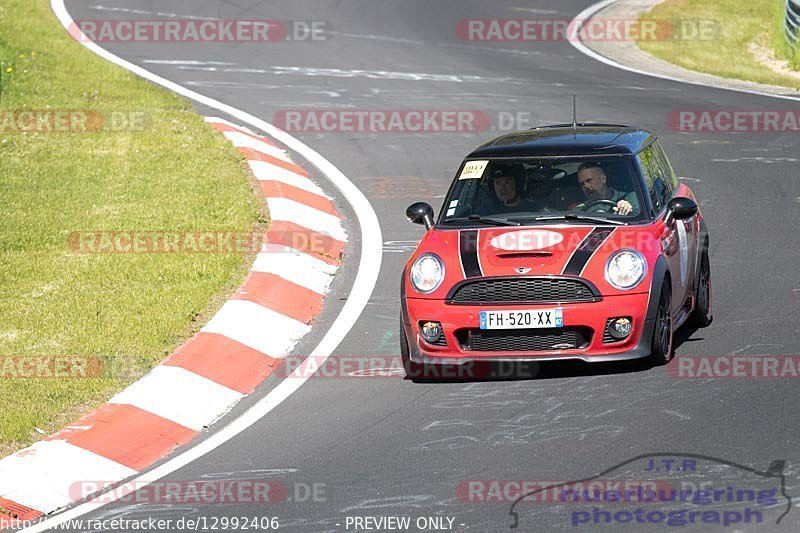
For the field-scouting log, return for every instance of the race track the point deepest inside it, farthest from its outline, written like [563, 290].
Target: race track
[385, 446]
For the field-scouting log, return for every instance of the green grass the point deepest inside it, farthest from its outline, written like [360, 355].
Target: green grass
[131, 310]
[740, 22]
[782, 48]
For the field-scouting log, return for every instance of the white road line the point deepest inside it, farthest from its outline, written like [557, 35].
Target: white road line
[264, 171]
[234, 85]
[179, 395]
[143, 12]
[48, 481]
[254, 325]
[308, 217]
[295, 266]
[584, 16]
[183, 62]
[242, 140]
[354, 73]
[367, 275]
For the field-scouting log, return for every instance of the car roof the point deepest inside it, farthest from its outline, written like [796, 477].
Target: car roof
[585, 139]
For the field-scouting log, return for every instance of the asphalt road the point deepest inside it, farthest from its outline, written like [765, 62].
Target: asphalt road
[390, 447]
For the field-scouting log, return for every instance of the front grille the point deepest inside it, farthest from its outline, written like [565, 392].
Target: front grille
[524, 340]
[522, 290]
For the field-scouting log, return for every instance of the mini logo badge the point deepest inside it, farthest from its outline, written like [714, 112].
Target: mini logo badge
[522, 270]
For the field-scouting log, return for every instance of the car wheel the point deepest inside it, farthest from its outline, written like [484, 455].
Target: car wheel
[702, 314]
[413, 370]
[661, 349]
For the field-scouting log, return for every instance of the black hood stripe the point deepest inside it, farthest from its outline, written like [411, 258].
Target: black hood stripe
[585, 250]
[468, 250]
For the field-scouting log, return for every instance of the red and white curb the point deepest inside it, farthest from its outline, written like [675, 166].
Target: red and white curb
[236, 350]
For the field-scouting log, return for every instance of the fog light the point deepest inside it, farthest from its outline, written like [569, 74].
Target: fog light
[619, 328]
[431, 331]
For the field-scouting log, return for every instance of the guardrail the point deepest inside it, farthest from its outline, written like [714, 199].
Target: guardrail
[792, 23]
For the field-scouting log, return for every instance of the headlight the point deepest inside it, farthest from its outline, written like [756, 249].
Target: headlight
[625, 269]
[427, 273]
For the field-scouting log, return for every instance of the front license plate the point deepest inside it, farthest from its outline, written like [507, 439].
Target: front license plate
[522, 319]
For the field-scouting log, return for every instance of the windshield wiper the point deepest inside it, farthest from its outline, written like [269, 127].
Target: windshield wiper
[572, 216]
[487, 220]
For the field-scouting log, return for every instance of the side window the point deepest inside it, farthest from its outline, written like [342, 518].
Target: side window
[658, 184]
[672, 180]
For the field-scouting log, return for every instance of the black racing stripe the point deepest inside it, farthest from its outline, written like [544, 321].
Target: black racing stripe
[585, 250]
[468, 248]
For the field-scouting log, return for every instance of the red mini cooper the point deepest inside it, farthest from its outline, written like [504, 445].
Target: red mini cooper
[560, 242]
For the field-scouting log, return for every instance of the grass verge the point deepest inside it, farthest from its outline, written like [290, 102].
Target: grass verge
[175, 173]
[781, 45]
[728, 54]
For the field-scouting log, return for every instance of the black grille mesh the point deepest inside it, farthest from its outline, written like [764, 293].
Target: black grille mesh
[525, 340]
[606, 335]
[441, 342]
[528, 290]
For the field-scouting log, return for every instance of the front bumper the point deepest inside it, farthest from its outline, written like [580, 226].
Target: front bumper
[592, 316]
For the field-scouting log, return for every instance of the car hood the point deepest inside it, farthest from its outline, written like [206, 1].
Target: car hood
[529, 251]
[570, 250]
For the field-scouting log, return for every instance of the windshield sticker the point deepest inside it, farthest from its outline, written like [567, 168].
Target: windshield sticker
[451, 211]
[473, 170]
[454, 203]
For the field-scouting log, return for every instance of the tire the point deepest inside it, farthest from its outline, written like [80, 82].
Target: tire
[702, 314]
[662, 342]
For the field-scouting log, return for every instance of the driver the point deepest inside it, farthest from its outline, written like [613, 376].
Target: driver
[592, 181]
[507, 184]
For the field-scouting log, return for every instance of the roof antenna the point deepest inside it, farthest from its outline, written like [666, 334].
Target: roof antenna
[574, 115]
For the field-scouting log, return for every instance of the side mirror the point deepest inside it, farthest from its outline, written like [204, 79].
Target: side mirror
[680, 209]
[420, 213]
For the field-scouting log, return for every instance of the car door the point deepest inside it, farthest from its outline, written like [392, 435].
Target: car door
[687, 231]
[675, 238]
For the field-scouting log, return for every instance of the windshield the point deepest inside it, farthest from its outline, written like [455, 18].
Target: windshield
[523, 190]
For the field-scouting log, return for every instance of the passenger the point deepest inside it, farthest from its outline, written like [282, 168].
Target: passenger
[507, 185]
